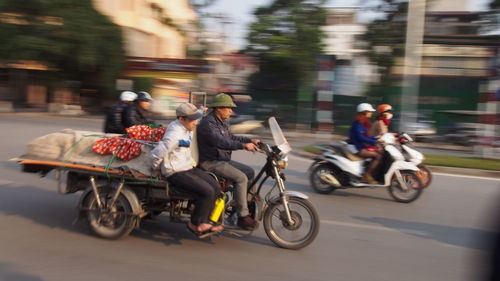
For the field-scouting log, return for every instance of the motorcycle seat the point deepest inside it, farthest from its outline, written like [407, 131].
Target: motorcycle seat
[349, 150]
[345, 151]
[354, 157]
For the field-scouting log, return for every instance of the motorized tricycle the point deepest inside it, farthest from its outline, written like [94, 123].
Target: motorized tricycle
[113, 202]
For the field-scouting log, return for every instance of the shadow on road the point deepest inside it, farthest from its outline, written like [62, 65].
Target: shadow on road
[163, 231]
[47, 207]
[344, 193]
[9, 273]
[465, 237]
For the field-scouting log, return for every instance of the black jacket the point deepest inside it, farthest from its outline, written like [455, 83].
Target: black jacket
[114, 122]
[215, 140]
[134, 115]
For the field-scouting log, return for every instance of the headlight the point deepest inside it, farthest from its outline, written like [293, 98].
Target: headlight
[283, 162]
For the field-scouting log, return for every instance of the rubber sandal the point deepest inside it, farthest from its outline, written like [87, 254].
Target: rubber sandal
[201, 235]
[217, 228]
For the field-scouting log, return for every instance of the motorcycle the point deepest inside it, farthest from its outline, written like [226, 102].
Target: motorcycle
[416, 157]
[113, 203]
[339, 168]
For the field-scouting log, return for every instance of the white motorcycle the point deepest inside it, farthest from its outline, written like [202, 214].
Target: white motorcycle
[416, 157]
[339, 168]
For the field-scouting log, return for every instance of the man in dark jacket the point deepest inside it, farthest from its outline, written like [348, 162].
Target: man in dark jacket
[138, 113]
[215, 144]
[114, 122]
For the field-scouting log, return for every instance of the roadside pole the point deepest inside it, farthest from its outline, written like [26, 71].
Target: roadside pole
[412, 62]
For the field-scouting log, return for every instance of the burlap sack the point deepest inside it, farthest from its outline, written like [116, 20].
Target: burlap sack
[76, 147]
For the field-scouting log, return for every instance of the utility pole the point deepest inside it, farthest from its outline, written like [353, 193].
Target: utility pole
[412, 62]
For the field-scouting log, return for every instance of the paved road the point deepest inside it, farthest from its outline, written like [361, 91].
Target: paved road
[364, 234]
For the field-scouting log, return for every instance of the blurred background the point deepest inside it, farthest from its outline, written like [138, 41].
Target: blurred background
[307, 62]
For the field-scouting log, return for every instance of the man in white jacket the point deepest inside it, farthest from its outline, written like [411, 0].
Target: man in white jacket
[172, 159]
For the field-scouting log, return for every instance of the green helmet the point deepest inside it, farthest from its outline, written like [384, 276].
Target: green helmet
[222, 100]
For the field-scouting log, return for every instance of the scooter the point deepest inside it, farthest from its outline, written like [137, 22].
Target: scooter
[339, 168]
[416, 157]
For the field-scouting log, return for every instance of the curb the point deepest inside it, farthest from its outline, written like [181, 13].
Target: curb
[98, 118]
[434, 169]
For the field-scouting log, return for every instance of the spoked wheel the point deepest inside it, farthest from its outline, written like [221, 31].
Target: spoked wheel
[425, 175]
[317, 178]
[413, 191]
[109, 222]
[298, 234]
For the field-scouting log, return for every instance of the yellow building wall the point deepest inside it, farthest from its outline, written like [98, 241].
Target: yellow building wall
[144, 34]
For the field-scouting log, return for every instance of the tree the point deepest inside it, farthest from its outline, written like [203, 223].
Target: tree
[385, 37]
[69, 36]
[287, 38]
[495, 4]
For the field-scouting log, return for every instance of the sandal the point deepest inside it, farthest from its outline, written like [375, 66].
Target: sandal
[217, 228]
[201, 234]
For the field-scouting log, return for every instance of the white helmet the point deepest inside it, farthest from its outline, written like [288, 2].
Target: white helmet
[128, 96]
[365, 107]
[144, 96]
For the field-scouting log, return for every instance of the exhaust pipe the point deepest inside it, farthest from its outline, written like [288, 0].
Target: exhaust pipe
[331, 180]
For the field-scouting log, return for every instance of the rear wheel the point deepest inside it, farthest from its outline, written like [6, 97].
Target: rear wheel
[317, 178]
[109, 222]
[413, 184]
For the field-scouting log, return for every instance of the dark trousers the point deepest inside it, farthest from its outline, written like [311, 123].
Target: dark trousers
[204, 189]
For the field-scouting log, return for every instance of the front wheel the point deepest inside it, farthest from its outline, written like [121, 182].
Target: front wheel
[109, 222]
[318, 176]
[425, 175]
[413, 184]
[303, 229]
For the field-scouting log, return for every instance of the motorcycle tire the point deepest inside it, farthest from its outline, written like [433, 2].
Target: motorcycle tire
[304, 216]
[413, 181]
[425, 175]
[112, 224]
[317, 183]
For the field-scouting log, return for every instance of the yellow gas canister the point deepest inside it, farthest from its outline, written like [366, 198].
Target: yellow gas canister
[217, 211]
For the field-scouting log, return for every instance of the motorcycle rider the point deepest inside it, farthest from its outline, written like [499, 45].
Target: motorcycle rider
[114, 122]
[172, 158]
[138, 113]
[384, 116]
[215, 145]
[365, 144]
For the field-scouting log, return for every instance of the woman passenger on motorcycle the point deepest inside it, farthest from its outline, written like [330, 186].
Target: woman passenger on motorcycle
[172, 158]
[384, 116]
[365, 144]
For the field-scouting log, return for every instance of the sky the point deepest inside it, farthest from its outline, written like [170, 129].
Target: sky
[240, 15]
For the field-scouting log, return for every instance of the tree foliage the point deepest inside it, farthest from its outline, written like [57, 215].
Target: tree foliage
[69, 36]
[385, 37]
[287, 38]
[495, 4]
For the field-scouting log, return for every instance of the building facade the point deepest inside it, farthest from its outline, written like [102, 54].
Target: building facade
[344, 72]
[151, 28]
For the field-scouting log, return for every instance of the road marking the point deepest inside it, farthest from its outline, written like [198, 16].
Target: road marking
[357, 225]
[4, 182]
[466, 176]
[375, 227]
[300, 158]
